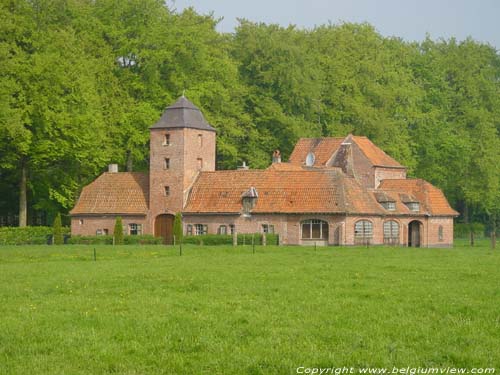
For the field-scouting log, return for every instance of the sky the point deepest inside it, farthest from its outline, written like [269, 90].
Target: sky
[407, 19]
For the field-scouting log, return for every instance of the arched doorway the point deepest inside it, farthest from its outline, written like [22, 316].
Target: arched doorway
[414, 233]
[164, 228]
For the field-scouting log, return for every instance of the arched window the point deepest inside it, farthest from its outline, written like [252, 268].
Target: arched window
[440, 233]
[314, 230]
[363, 231]
[391, 232]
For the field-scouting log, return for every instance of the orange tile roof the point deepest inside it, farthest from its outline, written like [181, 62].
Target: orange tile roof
[115, 193]
[306, 191]
[431, 199]
[324, 148]
[374, 153]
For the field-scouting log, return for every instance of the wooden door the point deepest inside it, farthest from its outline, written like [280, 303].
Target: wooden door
[414, 234]
[164, 228]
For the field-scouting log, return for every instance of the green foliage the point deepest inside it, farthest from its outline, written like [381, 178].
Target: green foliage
[177, 230]
[118, 231]
[108, 240]
[28, 235]
[81, 83]
[57, 234]
[461, 230]
[219, 239]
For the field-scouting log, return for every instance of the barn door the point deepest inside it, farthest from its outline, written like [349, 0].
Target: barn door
[164, 228]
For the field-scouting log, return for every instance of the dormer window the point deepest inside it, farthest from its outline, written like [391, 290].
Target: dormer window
[249, 200]
[385, 201]
[389, 206]
[413, 206]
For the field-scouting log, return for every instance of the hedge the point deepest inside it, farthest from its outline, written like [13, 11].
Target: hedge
[27, 235]
[220, 239]
[108, 240]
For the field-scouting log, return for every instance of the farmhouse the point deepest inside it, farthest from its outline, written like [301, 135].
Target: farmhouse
[332, 191]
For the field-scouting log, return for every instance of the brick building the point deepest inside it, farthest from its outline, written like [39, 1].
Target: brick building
[332, 191]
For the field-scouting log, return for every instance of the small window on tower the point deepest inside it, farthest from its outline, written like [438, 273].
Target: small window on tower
[200, 140]
[166, 164]
[166, 140]
[167, 191]
[200, 163]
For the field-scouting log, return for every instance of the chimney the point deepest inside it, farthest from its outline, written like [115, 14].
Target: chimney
[276, 156]
[243, 167]
[113, 168]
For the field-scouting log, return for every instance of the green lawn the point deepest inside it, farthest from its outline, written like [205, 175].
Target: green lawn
[218, 310]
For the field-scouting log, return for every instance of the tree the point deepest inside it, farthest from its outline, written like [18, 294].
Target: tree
[178, 227]
[57, 234]
[118, 231]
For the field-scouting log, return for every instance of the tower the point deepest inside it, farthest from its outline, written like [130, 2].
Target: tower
[182, 144]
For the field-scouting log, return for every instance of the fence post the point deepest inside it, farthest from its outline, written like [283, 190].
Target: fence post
[493, 239]
[253, 244]
[235, 238]
[264, 239]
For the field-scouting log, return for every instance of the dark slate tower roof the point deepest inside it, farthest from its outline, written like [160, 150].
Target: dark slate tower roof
[182, 114]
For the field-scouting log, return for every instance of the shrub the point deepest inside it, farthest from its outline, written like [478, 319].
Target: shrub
[57, 234]
[221, 239]
[145, 239]
[91, 240]
[27, 235]
[462, 230]
[178, 227]
[108, 240]
[118, 232]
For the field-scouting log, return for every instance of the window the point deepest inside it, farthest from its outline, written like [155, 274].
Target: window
[135, 229]
[200, 229]
[413, 206]
[200, 163]
[440, 234]
[390, 206]
[81, 221]
[266, 228]
[166, 163]
[231, 229]
[166, 140]
[391, 232]
[189, 230]
[105, 232]
[222, 229]
[314, 230]
[98, 232]
[363, 231]
[167, 191]
[200, 140]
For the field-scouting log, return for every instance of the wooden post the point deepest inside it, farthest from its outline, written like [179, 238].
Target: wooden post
[174, 239]
[493, 239]
[180, 248]
[95, 255]
[235, 238]
[264, 239]
[253, 244]
[471, 237]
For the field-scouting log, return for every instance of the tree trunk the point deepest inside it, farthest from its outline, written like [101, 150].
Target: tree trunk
[129, 161]
[23, 204]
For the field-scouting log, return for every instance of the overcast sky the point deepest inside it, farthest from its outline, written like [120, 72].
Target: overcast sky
[408, 19]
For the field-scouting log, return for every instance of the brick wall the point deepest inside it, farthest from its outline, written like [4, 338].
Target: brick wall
[90, 224]
[384, 173]
[184, 150]
[341, 229]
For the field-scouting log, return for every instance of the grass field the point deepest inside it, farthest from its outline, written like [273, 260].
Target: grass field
[220, 310]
